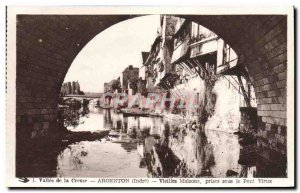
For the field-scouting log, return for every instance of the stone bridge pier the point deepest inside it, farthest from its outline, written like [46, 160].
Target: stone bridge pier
[47, 45]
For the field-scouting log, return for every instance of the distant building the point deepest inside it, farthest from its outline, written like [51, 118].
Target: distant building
[129, 75]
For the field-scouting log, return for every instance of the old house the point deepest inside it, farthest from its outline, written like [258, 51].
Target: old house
[130, 74]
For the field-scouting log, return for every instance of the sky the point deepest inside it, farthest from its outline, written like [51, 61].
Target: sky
[111, 51]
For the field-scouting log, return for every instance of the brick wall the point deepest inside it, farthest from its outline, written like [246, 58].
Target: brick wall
[47, 45]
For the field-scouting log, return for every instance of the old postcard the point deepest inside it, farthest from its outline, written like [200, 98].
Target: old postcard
[150, 97]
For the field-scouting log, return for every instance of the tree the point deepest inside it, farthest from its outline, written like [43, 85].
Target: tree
[116, 85]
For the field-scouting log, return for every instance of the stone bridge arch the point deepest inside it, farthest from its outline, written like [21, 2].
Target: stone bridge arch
[47, 45]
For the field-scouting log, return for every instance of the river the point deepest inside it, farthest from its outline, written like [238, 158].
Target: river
[152, 147]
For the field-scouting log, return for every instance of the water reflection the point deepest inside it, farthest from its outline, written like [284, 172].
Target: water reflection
[99, 159]
[74, 115]
[153, 147]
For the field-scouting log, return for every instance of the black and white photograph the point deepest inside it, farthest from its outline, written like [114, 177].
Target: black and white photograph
[150, 97]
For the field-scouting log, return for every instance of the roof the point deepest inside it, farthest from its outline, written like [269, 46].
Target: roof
[145, 56]
[156, 41]
[130, 67]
